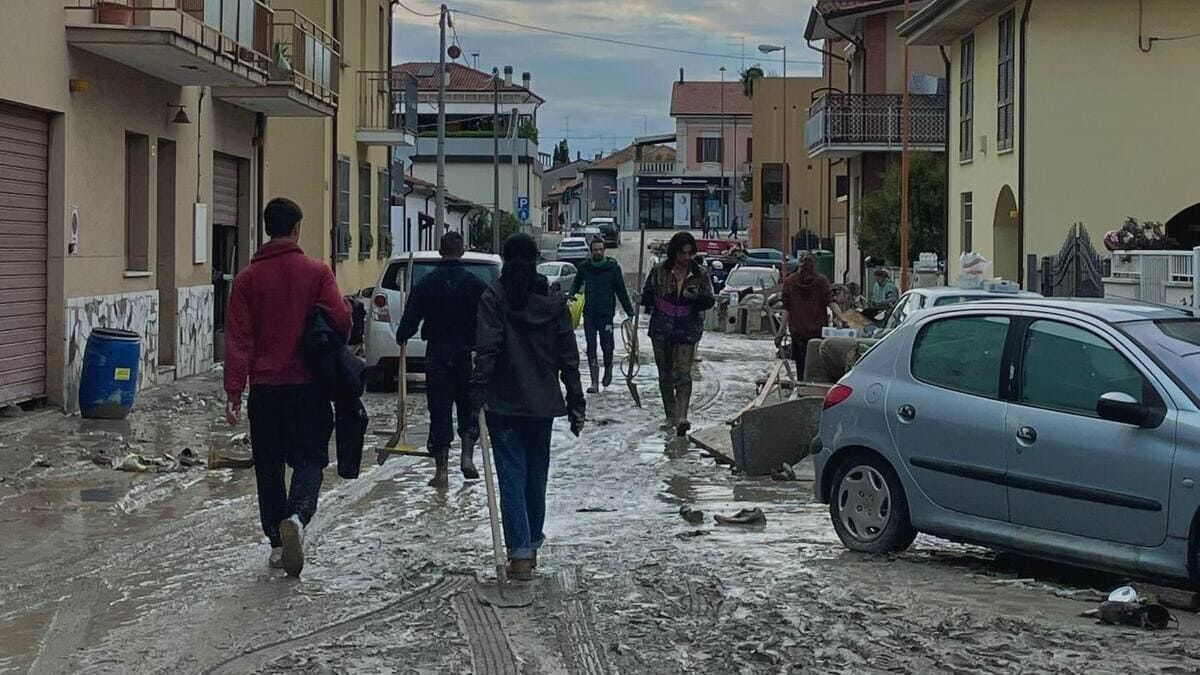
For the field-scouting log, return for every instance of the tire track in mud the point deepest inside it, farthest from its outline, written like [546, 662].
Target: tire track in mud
[247, 661]
[575, 633]
[490, 652]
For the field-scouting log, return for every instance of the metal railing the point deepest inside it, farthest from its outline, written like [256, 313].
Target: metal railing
[381, 102]
[1134, 265]
[874, 120]
[656, 168]
[306, 55]
[238, 29]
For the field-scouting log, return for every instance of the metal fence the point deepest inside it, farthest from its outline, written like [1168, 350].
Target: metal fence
[875, 120]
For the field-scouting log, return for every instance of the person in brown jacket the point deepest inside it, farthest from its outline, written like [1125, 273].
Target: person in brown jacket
[807, 300]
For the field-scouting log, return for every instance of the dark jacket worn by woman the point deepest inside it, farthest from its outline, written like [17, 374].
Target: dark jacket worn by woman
[521, 355]
[677, 318]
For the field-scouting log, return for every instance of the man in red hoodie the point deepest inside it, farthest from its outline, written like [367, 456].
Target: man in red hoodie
[290, 417]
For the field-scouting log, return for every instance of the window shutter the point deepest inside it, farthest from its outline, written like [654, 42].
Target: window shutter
[699, 149]
[342, 238]
[384, 197]
[366, 237]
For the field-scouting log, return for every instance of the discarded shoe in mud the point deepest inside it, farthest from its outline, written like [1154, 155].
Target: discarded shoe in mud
[1152, 616]
[189, 458]
[133, 463]
[221, 460]
[692, 515]
[753, 516]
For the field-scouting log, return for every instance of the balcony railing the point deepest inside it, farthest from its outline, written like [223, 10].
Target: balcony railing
[237, 29]
[305, 55]
[651, 168]
[873, 122]
[384, 109]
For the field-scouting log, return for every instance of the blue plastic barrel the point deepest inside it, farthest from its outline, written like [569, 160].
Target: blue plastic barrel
[108, 385]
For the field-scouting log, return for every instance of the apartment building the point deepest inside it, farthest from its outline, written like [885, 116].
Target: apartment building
[1066, 112]
[132, 174]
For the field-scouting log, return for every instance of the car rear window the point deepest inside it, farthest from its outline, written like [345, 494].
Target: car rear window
[548, 270]
[393, 280]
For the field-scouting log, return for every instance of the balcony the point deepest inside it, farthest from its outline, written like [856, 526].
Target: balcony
[303, 75]
[185, 42]
[844, 125]
[387, 112]
[660, 168]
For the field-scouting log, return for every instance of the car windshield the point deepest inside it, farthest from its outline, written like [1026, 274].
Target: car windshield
[487, 272]
[957, 299]
[549, 270]
[765, 254]
[1175, 344]
[755, 278]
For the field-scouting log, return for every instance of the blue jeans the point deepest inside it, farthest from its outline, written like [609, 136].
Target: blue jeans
[521, 446]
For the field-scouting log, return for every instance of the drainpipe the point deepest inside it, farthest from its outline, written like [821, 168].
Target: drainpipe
[261, 170]
[946, 235]
[1021, 146]
[405, 191]
[334, 190]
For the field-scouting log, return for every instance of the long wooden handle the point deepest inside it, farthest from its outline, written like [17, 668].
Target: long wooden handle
[489, 479]
[402, 391]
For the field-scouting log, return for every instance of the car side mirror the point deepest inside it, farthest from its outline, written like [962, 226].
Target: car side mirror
[1122, 408]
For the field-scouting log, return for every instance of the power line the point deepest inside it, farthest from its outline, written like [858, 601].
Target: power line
[623, 43]
[434, 15]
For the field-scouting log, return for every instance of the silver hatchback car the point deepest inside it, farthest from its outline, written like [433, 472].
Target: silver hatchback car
[1067, 430]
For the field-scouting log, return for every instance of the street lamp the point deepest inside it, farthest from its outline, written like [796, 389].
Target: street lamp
[787, 174]
[721, 154]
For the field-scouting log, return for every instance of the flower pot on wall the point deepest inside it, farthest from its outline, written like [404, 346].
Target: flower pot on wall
[114, 13]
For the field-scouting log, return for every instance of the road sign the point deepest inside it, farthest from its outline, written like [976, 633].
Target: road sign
[523, 209]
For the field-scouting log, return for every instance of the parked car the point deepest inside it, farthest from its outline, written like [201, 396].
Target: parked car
[746, 279]
[1061, 429]
[608, 229]
[387, 306]
[560, 274]
[573, 250]
[771, 257]
[921, 299]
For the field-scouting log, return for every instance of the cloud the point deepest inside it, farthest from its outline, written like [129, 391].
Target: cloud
[607, 93]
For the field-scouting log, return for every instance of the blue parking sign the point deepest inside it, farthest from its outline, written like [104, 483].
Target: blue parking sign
[523, 209]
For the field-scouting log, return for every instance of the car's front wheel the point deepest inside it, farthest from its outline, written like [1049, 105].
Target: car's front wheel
[868, 506]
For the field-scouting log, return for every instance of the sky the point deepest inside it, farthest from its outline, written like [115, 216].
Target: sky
[599, 96]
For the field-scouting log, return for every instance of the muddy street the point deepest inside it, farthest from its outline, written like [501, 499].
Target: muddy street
[106, 571]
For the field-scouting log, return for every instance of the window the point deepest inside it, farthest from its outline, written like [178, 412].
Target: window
[366, 238]
[968, 219]
[966, 101]
[841, 187]
[343, 196]
[1005, 84]
[905, 306]
[749, 150]
[384, 196]
[1067, 368]
[963, 354]
[708, 150]
[137, 203]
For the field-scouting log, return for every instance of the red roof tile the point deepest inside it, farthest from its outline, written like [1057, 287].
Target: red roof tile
[651, 153]
[704, 98]
[462, 78]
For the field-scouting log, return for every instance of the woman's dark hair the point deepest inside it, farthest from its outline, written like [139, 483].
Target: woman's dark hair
[677, 243]
[519, 276]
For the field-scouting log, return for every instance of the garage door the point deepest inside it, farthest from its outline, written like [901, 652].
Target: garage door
[23, 228]
[225, 189]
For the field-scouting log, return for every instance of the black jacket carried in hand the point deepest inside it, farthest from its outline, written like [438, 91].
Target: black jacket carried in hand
[521, 355]
[340, 375]
[443, 305]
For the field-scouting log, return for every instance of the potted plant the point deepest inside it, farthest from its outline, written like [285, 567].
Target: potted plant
[114, 13]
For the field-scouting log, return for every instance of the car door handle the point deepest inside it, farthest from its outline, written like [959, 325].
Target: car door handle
[906, 413]
[1027, 435]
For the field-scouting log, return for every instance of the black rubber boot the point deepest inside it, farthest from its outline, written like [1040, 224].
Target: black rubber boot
[595, 388]
[607, 373]
[467, 463]
[441, 475]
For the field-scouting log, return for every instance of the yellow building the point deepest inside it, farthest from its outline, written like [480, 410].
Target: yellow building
[814, 204]
[337, 167]
[1064, 112]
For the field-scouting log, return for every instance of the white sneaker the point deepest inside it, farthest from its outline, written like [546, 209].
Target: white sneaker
[292, 533]
[276, 560]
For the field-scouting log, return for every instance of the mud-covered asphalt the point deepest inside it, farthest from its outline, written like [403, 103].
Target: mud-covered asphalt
[111, 572]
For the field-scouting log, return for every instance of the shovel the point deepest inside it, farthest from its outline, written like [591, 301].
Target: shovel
[501, 593]
[632, 364]
[398, 443]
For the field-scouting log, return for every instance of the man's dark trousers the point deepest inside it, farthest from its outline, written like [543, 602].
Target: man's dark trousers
[289, 424]
[447, 388]
[602, 327]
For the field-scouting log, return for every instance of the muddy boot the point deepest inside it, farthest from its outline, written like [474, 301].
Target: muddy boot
[467, 463]
[595, 388]
[668, 411]
[607, 374]
[520, 569]
[441, 474]
[683, 397]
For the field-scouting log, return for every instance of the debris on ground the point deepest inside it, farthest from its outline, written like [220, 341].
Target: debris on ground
[42, 462]
[753, 516]
[11, 411]
[691, 534]
[224, 460]
[1125, 607]
[692, 515]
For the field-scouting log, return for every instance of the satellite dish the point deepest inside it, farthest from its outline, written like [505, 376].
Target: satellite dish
[454, 51]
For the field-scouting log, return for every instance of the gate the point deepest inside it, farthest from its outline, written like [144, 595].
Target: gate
[1076, 271]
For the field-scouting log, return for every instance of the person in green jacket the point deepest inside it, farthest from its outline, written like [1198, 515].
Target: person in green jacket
[603, 284]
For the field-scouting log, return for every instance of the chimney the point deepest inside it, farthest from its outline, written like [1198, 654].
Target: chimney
[681, 76]
[526, 80]
[508, 71]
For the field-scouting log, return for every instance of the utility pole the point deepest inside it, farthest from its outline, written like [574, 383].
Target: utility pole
[514, 133]
[496, 161]
[724, 194]
[439, 219]
[905, 123]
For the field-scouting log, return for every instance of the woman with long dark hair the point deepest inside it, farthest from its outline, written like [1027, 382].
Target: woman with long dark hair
[678, 291]
[524, 347]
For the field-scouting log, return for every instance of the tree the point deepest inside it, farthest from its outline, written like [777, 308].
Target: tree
[750, 78]
[562, 153]
[879, 212]
[481, 228]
